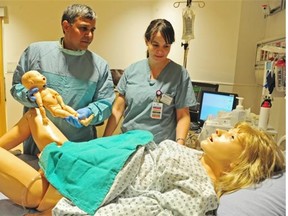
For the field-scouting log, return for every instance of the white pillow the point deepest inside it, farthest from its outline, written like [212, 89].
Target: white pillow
[267, 199]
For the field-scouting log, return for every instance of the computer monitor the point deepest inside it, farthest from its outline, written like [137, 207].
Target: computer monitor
[214, 102]
[198, 87]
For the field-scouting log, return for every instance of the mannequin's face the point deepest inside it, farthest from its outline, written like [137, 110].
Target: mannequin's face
[223, 146]
[37, 79]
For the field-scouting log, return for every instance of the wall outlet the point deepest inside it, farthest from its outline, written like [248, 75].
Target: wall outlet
[11, 66]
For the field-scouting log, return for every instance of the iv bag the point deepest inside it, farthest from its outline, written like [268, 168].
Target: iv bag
[188, 24]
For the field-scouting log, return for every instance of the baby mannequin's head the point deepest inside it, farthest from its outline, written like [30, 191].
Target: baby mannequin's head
[33, 79]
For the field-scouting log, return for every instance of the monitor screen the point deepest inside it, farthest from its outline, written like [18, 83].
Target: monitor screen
[198, 87]
[214, 102]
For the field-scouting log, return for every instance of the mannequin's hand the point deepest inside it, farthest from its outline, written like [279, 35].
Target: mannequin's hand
[30, 94]
[84, 113]
[45, 121]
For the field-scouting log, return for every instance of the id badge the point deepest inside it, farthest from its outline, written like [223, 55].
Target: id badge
[156, 110]
[166, 99]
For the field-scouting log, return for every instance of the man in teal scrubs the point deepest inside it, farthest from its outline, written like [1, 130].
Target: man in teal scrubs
[81, 77]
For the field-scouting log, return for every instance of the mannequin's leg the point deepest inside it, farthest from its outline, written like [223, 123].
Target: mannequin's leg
[49, 200]
[19, 181]
[24, 185]
[31, 123]
[43, 134]
[16, 135]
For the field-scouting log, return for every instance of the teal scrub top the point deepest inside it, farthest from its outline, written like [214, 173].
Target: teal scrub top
[82, 78]
[140, 91]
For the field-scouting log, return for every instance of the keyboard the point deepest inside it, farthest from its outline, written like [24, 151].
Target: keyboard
[194, 126]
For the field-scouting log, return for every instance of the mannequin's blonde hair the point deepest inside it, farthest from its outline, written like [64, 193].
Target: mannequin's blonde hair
[260, 159]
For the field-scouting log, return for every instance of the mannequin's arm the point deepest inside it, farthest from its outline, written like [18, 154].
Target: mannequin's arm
[58, 97]
[41, 107]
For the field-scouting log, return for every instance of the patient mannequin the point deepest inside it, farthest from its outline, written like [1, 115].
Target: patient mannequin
[49, 98]
[233, 159]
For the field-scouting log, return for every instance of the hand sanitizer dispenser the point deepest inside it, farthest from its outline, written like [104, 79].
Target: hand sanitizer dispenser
[238, 114]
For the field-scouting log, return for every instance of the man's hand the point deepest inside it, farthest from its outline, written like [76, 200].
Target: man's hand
[74, 121]
[30, 94]
[83, 113]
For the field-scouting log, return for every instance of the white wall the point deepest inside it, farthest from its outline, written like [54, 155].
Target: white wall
[212, 54]
[251, 30]
[223, 51]
[254, 28]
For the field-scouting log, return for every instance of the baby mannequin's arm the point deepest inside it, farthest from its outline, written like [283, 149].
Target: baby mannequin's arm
[57, 96]
[61, 102]
[41, 107]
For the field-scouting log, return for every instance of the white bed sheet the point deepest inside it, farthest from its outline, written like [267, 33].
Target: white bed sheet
[161, 181]
[2, 196]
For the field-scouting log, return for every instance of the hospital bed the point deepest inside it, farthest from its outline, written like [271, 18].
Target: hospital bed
[266, 199]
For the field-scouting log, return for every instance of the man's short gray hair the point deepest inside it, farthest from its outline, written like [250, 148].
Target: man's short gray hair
[78, 10]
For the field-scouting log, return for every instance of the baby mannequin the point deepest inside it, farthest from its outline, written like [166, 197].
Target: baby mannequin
[49, 98]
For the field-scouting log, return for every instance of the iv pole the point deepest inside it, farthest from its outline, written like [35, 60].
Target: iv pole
[201, 4]
[186, 48]
[186, 44]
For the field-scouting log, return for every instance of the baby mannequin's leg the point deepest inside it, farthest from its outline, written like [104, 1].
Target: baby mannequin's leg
[70, 110]
[87, 121]
[62, 113]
